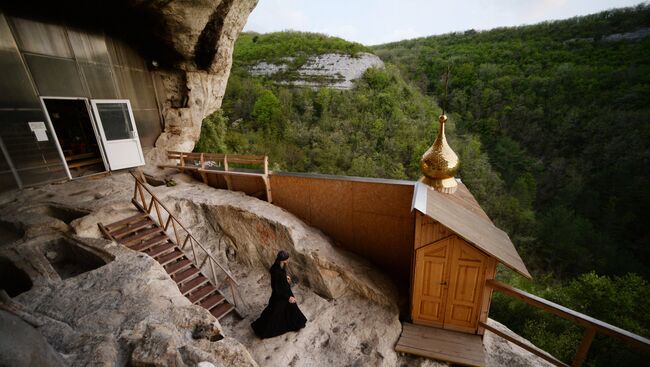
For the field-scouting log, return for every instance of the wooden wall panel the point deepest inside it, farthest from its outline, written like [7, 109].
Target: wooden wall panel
[370, 217]
[291, 193]
[331, 209]
[430, 231]
[250, 185]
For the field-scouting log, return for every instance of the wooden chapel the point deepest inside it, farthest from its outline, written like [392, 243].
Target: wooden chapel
[456, 250]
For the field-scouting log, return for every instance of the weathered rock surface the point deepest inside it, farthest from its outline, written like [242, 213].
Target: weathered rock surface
[332, 70]
[129, 311]
[500, 352]
[22, 345]
[204, 33]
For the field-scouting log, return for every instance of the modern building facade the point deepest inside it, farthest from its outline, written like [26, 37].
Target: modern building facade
[72, 103]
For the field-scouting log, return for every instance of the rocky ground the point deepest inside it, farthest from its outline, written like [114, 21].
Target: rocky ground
[97, 302]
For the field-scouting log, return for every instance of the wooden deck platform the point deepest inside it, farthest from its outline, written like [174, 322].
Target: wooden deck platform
[440, 344]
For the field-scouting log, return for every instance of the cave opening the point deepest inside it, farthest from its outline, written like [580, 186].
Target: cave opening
[70, 259]
[13, 280]
[9, 233]
[65, 214]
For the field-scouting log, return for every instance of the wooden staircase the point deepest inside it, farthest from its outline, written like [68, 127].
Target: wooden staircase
[142, 233]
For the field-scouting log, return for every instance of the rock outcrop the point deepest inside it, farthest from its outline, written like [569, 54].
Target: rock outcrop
[331, 70]
[124, 309]
[204, 33]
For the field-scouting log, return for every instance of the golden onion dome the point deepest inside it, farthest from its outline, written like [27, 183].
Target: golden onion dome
[439, 163]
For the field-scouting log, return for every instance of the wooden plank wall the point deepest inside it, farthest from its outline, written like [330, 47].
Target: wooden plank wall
[370, 217]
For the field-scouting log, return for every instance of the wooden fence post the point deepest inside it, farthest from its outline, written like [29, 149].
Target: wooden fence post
[581, 355]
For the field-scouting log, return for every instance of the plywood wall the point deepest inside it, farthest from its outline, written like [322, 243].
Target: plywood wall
[370, 217]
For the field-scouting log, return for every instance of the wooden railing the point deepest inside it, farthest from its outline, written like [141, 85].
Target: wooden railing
[592, 326]
[220, 164]
[146, 201]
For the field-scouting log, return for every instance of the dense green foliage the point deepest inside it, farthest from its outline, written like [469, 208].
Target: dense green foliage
[621, 301]
[372, 130]
[562, 110]
[551, 123]
[380, 128]
[274, 47]
[563, 113]
[213, 133]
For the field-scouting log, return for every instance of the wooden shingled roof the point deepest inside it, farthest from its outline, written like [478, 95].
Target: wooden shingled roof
[462, 214]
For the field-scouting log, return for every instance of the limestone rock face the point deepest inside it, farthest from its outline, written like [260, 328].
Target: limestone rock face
[204, 34]
[123, 309]
[332, 70]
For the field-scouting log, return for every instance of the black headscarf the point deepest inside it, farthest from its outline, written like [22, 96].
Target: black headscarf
[281, 256]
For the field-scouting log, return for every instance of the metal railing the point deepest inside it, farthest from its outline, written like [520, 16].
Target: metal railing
[592, 326]
[146, 201]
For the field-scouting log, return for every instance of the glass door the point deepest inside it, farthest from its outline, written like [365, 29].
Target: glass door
[118, 133]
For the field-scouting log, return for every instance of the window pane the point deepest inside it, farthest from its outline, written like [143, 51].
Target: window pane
[17, 91]
[6, 39]
[148, 124]
[42, 38]
[36, 161]
[100, 81]
[137, 87]
[55, 77]
[115, 120]
[89, 47]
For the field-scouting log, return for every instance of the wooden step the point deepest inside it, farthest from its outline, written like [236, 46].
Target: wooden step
[143, 246]
[222, 310]
[193, 284]
[113, 226]
[186, 274]
[132, 240]
[160, 249]
[213, 300]
[201, 293]
[174, 268]
[131, 228]
[168, 258]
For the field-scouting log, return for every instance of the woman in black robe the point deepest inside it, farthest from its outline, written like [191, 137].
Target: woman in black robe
[282, 313]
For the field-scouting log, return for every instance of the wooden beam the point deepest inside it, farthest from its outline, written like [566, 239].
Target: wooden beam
[536, 351]
[225, 168]
[583, 350]
[569, 314]
[203, 174]
[267, 185]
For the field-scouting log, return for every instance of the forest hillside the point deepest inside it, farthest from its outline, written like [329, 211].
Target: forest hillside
[552, 126]
[562, 109]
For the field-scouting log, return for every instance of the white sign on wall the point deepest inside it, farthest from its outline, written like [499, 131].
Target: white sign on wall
[39, 129]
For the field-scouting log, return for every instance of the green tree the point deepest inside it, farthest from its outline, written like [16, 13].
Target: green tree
[213, 133]
[267, 112]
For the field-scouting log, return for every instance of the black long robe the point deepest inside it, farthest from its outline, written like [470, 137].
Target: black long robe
[279, 316]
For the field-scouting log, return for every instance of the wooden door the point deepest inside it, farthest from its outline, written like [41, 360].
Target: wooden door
[466, 282]
[430, 283]
[448, 284]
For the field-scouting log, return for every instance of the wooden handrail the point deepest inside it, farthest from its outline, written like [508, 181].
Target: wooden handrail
[139, 186]
[591, 324]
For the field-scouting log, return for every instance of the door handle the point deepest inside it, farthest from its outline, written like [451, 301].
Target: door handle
[443, 283]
